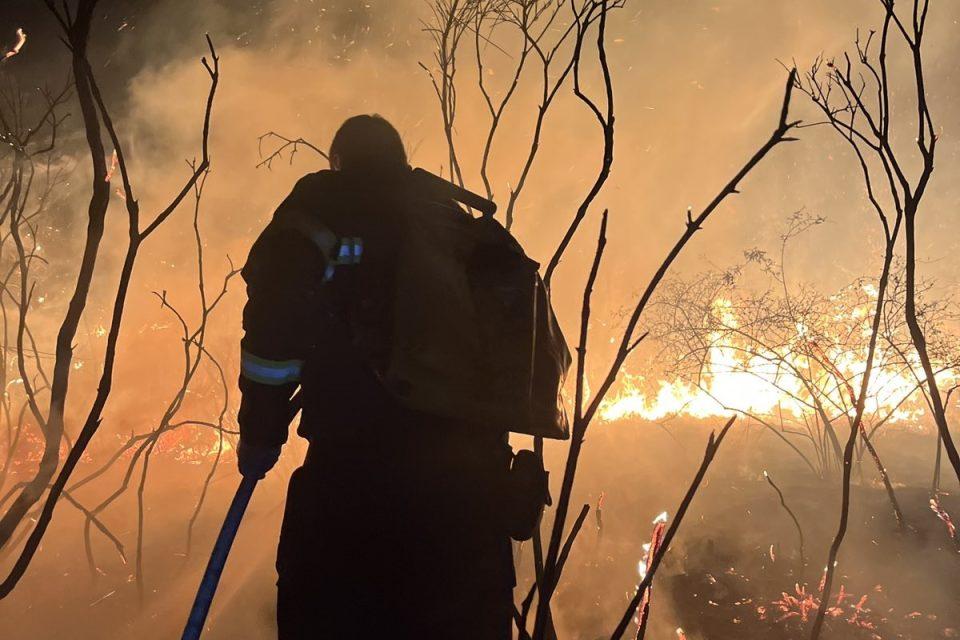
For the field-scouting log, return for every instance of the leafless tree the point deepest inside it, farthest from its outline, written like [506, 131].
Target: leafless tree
[584, 411]
[31, 170]
[912, 192]
[540, 37]
[141, 447]
[937, 315]
[854, 96]
[75, 23]
[804, 345]
[452, 20]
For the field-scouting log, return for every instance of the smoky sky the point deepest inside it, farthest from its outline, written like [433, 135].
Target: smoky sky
[698, 88]
[130, 35]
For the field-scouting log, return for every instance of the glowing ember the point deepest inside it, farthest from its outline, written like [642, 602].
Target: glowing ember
[190, 444]
[598, 513]
[938, 509]
[21, 40]
[649, 552]
[801, 606]
[113, 167]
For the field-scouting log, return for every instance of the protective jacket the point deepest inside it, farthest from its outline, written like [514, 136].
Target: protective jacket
[396, 516]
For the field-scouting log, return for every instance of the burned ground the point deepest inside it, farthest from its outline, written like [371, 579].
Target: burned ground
[717, 576]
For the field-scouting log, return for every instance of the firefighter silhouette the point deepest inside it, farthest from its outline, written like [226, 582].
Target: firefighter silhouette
[397, 523]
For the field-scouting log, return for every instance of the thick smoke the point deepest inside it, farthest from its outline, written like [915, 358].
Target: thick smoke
[698, 86]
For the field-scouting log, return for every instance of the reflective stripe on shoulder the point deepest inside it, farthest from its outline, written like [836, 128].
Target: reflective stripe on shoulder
[349, 253]
[270, 372]
[336, 251]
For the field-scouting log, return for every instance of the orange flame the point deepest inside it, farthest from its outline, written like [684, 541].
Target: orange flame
[735, 377]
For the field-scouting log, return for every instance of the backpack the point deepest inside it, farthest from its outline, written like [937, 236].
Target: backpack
[456, 322]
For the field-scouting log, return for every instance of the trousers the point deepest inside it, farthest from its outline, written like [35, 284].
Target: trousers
[395, 544]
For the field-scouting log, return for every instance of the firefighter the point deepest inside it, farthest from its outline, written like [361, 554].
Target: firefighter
[393, 526]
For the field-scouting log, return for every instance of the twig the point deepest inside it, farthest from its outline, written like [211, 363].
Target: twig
[713, 444]
[796, 523]
[567, 546]
[292, 143]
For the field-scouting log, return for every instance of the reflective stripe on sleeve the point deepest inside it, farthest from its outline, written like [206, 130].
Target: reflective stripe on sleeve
[270, 372]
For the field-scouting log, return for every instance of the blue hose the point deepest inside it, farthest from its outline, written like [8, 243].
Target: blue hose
[211, 577]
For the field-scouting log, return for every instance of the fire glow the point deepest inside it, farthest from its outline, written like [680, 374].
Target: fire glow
[737, 376]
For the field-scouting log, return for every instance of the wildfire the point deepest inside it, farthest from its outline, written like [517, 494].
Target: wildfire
[737, 375]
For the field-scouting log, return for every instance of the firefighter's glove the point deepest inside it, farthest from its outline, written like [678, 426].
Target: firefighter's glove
[529, 492]
[255, 461]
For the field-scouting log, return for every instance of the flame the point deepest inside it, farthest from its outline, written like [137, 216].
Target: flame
[738, 377]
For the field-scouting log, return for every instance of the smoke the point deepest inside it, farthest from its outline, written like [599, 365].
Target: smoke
[698, 88]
